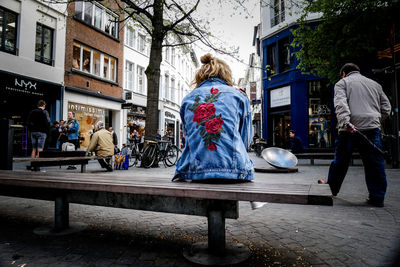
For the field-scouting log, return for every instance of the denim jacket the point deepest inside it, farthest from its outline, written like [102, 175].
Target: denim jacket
[73, 129]
[216, 121]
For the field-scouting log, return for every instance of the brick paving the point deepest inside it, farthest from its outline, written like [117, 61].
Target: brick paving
[348, 234]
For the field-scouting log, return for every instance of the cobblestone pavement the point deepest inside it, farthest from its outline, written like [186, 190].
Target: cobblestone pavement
[348, 234]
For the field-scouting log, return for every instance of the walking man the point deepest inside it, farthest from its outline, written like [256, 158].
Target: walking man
[360, 104]
[102, 144]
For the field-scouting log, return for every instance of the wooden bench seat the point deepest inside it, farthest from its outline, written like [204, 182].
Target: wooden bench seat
[66, 161]
[215, 201]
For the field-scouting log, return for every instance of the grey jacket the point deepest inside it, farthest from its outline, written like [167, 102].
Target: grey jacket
[360, 101]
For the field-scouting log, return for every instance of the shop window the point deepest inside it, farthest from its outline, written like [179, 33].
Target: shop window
[44, 44]
[319, 111]
[140, 75]
[98, 16]
[142, 43]
[284, 54]
[8, 31]
[129, 75]
[271, 59]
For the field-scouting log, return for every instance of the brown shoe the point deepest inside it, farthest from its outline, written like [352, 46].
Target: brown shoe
[322, 181]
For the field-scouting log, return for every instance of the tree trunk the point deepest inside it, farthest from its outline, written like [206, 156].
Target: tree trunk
[153, 71]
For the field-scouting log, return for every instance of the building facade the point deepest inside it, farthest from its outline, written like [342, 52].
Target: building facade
[291, 99]
[32, 52]
[94, 66]
[176, 74]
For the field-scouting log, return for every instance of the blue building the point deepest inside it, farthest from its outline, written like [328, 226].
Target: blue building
[291, 99]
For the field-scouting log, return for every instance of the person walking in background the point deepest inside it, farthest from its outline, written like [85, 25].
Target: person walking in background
[102, 144]
[296, 145]
[38, 124]
[216, 120]
[360, 105]
[72, 132]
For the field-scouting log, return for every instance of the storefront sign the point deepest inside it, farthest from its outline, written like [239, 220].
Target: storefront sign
[17, 85]
[253, 90]
[169, 115]
[280, 97]
[126, 105]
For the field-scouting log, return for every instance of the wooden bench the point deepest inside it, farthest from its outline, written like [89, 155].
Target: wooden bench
[215, 201]
[67, 161]
[322, 155]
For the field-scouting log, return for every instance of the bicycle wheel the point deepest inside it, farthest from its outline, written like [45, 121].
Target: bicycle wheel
[133, 158]
[171, 156]
[149, 156]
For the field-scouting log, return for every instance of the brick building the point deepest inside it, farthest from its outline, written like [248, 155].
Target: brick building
[93, 66]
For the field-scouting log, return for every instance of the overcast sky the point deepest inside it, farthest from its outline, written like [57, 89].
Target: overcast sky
[235, 27]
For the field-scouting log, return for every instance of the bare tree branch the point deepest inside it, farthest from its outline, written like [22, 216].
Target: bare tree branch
[184, 17]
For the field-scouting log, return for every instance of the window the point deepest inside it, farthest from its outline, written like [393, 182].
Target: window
[142, 43]
[319, 111]
[284, 54]
[130, 36]
[94, 62]
[166, 86]
[98, 16]
[277, 12]
[140, 75]
[8, 31]
[167, 54]
[129, 75]
[173, 89]
[44, 44]
[173, 57]
[271, 59]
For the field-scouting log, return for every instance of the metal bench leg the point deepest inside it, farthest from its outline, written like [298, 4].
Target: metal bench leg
[61, 218]
[312, 161]
[83, 168]
[216, 232]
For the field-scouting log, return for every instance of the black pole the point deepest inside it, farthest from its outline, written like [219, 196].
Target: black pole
[6, 144]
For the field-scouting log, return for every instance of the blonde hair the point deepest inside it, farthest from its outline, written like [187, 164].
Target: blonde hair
[213, 68]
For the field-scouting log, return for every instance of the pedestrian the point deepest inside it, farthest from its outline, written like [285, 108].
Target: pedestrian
[53, 135]
[217, 123]
[296, 145]
[360, 105]
[158, 135]
[115, 140]
[72, 132]
[102, 144]
[38, 124]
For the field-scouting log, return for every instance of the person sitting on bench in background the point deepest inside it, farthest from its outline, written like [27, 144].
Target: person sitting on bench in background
[217, 122]
[102, 144]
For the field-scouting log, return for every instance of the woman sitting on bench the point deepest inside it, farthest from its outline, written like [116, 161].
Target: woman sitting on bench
[217, 124]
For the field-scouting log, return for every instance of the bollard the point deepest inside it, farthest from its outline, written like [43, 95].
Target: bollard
[6, 144]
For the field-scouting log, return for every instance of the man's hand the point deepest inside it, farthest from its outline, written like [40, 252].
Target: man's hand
[350, 127]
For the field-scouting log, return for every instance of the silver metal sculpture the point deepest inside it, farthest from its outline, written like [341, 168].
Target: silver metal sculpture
[279, 158]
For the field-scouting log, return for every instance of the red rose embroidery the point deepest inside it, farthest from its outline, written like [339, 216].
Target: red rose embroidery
[214, 91]
[212, 147]
[203, 112]
[213, 126]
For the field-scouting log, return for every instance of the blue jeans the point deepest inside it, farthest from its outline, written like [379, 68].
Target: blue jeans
[38, 140]
[374, 165]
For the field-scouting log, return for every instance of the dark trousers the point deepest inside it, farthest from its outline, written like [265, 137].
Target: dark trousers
[106, 163]
[374, 164]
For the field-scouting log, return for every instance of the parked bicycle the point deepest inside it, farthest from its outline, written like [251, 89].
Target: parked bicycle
[134, 155]
[157, 151]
